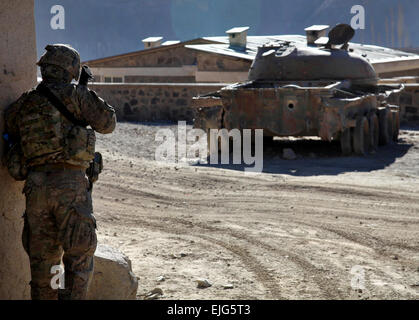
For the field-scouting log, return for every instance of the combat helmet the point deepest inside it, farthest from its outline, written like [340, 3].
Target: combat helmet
[64, 56]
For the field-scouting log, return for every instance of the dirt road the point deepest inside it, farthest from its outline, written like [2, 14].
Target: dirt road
[319, 227]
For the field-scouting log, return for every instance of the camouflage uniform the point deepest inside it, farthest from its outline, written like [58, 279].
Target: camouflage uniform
[59, 216]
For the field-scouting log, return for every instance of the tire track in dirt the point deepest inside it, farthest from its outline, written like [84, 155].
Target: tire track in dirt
[138, 193]
[326, 285]
[262, 274]
[345, 190]
[363, 239]
[316, 205]
[378, 245]
[375, 243]
[409, 203]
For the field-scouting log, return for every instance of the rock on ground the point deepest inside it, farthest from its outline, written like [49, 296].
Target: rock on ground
[289, 154]
[113, 278]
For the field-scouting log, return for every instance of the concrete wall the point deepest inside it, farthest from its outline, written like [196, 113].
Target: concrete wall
[153, 101]
[221, 68]
[218, 62]
[18, 73]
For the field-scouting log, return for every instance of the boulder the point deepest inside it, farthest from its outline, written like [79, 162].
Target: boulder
[113, 278]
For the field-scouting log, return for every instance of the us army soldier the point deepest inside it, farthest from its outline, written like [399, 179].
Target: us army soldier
[59, 220]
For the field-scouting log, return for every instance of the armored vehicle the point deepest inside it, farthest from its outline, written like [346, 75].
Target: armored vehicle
[324, 89]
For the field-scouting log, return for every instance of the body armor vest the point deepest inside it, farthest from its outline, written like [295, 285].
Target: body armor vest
[41, 130]
[47, 137]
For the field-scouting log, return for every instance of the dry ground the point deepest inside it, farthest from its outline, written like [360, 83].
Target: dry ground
[299, 230]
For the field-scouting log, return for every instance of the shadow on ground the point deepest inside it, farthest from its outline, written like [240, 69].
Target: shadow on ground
[316, 157]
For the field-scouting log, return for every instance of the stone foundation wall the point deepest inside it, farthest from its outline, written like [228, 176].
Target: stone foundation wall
[153, 101]
[172, 101]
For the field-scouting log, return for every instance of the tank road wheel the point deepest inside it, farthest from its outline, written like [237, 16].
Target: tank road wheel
[396, 124]
[374, 131]
[346, 142]
[362, 136]
[386, 126]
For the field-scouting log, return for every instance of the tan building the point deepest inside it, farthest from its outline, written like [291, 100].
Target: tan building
[166, 62]
[227, 59]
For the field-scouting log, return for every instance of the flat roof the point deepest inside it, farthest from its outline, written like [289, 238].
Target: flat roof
[170, 42]
[374, 54]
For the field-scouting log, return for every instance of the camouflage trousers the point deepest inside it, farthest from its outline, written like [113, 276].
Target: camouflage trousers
[59, 226]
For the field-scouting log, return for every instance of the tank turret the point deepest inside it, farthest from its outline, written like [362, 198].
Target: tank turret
[286, 62]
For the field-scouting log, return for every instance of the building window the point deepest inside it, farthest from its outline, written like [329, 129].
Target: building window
[114, 79]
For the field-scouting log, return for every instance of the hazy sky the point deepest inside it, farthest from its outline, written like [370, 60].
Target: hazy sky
[100, 28]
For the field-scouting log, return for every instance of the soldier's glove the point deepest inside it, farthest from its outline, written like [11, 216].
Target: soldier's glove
[95, 168]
